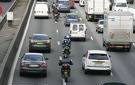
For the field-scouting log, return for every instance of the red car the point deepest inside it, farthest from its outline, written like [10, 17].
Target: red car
[72, 4]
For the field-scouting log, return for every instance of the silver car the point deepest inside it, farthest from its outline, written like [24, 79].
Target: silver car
[100, 26]
[33, 63]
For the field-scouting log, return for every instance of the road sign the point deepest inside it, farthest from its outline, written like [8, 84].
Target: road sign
[1, 10]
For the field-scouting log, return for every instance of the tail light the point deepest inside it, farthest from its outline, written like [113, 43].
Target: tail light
[24, 65]
[44, 65]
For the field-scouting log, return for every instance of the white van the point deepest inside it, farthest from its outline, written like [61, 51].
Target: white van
[78, 31]
[120, 5]
[41, 10]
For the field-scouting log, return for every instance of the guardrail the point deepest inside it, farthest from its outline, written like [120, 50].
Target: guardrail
[6, 65]
[4, 19]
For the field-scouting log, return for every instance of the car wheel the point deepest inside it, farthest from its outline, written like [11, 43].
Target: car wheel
[85, 71]
[21, 73]
[108, 72]
[82, 67]
[49, 50]
[45, 74]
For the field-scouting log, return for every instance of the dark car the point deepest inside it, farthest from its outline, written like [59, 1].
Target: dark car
[71, 18]
[114, 83]
[40, 42]
[33, 63]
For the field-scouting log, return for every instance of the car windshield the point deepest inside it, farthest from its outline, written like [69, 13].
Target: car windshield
[64, 2]
[121, 5]
[33, 58]
[40, 37]
[98, 56]
[101, 22]
[72, 17]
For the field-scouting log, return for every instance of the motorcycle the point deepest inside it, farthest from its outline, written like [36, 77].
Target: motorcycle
[66, 52]
[56, 16]
[66, 73]
[66, 44]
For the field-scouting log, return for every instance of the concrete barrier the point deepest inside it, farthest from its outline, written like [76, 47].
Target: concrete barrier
[4, 19]
[6, 65]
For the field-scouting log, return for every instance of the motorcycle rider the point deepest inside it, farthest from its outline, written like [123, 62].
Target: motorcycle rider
[66, 51]
[66, 41]
[66, 62]
[55, 11]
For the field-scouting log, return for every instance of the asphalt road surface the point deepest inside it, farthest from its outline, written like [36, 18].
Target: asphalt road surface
[6, 5]
[123, 67]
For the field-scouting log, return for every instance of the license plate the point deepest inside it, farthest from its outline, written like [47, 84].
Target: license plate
[39, 43]
[99, 62]
[33, 65]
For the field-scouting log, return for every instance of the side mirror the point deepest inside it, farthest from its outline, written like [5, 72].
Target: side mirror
[110, 56]
[30, 37]
[84, 55]
[46, 58]
[50, 38]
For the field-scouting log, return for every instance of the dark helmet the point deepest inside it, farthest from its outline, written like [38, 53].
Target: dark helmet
[67, 37]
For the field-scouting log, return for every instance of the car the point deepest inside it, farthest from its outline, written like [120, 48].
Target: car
[41, 10]
[81, 3]
[63, 5]
[33, 63]
[72, 4]
[114, 83]
[40, 42]
[78, 31]
[100, 26]
[70, 18]
[96, 60]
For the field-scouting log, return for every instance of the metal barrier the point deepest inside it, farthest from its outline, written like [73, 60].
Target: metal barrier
[6, 66]
[4, 19]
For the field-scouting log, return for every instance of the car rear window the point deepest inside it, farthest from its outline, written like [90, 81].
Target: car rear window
[74, 27]
[72, 17]
[81, 27]
[33, 58]
[101, 22]
[39, 37]
[98, 56]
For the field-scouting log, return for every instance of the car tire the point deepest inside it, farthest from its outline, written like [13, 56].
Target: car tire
[49, 50]
[85, 71]
[45, 74]
[108, 72]
[21, 73]
[82, 67]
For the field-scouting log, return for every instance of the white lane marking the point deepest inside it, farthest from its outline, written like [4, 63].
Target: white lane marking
[64, 83]
[134, 44]
[111, 74]
[57, 30]
[19, 49]
[58, 42]
[91, 38]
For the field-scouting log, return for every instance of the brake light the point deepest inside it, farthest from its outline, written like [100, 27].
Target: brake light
[44, 65]
[24, 65]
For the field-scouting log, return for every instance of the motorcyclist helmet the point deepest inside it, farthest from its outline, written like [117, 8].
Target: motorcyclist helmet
[67, 37]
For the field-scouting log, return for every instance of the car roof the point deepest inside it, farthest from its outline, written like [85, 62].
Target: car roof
[76, 23]
[39, 34]
[97, 51]
[34, 54]
[72, 14]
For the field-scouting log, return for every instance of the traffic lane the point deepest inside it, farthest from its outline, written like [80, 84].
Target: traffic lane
[122, 62]
[42, 26]
[6, 5]
[78, 49]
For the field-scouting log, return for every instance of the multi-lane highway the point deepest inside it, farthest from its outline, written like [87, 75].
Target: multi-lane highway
[6, 5]
[122, 62]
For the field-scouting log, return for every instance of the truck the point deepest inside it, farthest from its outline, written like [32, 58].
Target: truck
[118, 30]
[94, 9]
[119, 5]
